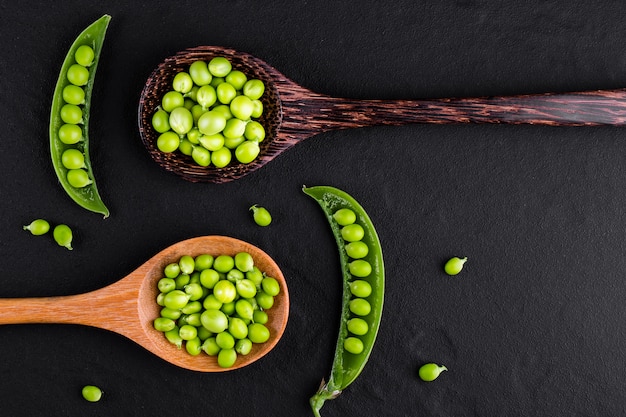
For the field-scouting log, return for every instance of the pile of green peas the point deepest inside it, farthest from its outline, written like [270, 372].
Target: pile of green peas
[210, 114]
[352, 234]
[71, 113]
[215, 304]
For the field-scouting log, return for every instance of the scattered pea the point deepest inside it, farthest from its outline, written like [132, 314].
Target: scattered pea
[261, 215]
[454, 265]
[92, 393]
[38, 227]
[431, 371]
[63, 236]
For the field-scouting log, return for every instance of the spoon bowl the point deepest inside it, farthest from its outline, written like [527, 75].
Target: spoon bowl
[293, 113]
[128, 306]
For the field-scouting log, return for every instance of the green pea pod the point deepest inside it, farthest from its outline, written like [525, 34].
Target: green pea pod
[348, 366]
[86, 196]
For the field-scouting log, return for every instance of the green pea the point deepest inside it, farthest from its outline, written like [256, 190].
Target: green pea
[181, 120]
[166, 285]
[160, 299]
[188, 332]
[78, 178]
[352, 232]
[257, 110]
[244, 309]
[247, 151]
[185, 147]
[357, 250]
[431, 371]
[256, 276]
[454, 265]
[203, 333]
[209, 277]
[211, 303]
[176, 299]
[212, 142]
[244, 261]
[344, 216]
[194, 319]
[172, 100]
[182, 82]
[201, 156]
[254, 131]
[172, 270]
[70, 134]
[237, 79]
[164, 324]
[360, 307]
[174, 338]
[235, 128]
[246, 288]
[194, 346]
[360, 268]
[182, 280]
[73, 94]
[357, 326]
[226, 358]
[225, 291]
[63, 236]
[243, 346]
[206, 96]
[237, 328]
[221, 157]
[360, 288]
[219, 66]
[91, 393]
[168, 313]
[353, 345]
[73, 159]
[199, 73]
[261, 215]
[241, 107]
[77, 75]
[168, 142]
[72, 114]
[228, 308]
[215, 321]
[264, 300]
[211, 122]
[204, 261]
[192, 307]
[84, 55]
[270, 286]
[224, 263]
[186, 264]
[258, 333]
[210, 346]
[217, 81]
[225, 93]
[194, 291]
[254, 89]
[260, 317]
[38, 227]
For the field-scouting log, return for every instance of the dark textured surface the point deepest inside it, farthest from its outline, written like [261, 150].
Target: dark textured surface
[533, 326]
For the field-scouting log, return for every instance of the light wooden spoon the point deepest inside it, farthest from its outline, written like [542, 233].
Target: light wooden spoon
[293, 113]
[128, 306]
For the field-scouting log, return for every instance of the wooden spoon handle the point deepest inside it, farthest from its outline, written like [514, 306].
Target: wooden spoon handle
[110, 308]
[323, 113]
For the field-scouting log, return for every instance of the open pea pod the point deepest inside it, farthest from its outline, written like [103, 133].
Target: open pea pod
[81, 185]
[348, 362]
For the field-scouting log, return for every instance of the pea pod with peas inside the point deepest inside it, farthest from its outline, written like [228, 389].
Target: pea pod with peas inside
[69, 118]
[361, 259]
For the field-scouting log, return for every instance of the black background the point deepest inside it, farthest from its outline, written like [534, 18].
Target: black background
[534, 325]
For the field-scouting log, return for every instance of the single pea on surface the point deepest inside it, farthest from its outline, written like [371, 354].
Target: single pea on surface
[454, 265]
[38, 227]
[431, 371]
[92, 393]
[261, 215]
[63, 236]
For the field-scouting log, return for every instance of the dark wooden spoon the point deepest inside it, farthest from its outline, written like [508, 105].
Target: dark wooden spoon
[129, 306]
[293, 113]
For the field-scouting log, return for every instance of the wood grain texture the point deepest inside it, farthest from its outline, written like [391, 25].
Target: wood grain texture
[293, 113]
[129, 307]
